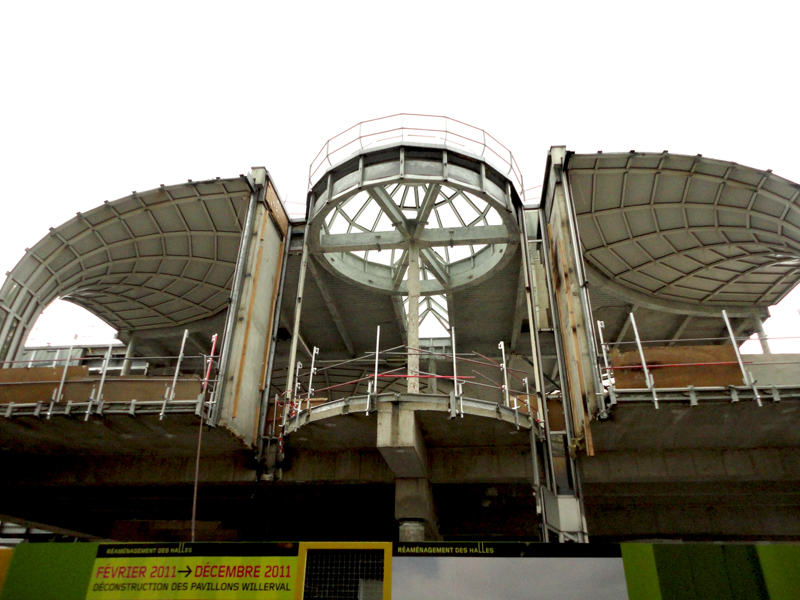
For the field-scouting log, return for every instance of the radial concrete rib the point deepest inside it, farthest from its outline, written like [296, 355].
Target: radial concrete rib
[334, 312]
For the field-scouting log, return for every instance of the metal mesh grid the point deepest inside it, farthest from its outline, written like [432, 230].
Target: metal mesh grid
[344, 574]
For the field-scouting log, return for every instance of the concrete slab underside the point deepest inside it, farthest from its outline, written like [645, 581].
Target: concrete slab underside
[721, 472]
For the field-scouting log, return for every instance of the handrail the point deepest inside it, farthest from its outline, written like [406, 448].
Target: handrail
[437, 129]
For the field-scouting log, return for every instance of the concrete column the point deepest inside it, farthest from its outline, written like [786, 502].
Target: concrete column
[762, 336]
[413, 318]
[413, 508]
[127, 363]
[432, 387]
[412, 531]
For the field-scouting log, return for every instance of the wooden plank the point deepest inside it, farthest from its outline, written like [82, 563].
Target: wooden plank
[705, 375]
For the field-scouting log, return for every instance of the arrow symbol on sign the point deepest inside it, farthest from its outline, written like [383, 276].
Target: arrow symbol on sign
[188, 572]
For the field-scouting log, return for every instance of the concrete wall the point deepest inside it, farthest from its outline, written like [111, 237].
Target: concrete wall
[773, 369]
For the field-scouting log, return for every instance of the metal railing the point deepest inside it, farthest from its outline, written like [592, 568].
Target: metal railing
[420, 129]
[174, 372]
[292, 409]
[750, 387]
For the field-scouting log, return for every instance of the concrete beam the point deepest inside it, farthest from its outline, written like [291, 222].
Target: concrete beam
[385, 201]
[303, 344]
[428, 202]
[400, 441]
[428, 238]
[435, 266]
[400, 317]
[332, 309]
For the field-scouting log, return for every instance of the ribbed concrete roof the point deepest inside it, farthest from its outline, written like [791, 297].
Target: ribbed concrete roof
[688, 230]
[159, 258]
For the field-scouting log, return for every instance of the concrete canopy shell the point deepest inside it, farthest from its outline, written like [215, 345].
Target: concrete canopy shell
[160, 258]
[686, 233]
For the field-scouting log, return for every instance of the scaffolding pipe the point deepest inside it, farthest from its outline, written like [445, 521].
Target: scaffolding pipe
[647, 377]
[171, 396]
[60, 394]
[748, 379]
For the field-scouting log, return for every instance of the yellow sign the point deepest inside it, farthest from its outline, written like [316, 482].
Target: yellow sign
[194, 572]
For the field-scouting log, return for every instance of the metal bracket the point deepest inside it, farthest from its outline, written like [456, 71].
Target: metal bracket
[38, 409]
[776, 395]
[132, 408]
[452, 405]
[734, 393]
[692, 396]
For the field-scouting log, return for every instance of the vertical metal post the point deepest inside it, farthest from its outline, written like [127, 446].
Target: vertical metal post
[210, 362]
[413, 318]
[99, 397]
[171, 395]
[456, 387]
[297, 382]
[502, 348]
[613, 399]
[600, 326]
[648, 378]
[103, 375]
[375, 383]
[528, 401]
[60, 394]
[748, 379]
[311, 377]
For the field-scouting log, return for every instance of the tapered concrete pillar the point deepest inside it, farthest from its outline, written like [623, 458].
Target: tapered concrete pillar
[400, 441]
[129, 351]
[413, 319]
[762, 336]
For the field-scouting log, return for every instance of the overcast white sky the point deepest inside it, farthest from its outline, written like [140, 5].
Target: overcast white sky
[100, 99]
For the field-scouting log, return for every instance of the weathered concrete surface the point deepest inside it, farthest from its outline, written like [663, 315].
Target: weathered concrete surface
[713, 471]
[447, 465]
[413, 503]
[773, 369]
[242, 394]
[720, 425]
[118, 434]
[400, 441]
[124, 470]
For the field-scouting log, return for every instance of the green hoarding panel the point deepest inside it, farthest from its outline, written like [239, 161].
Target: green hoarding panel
[50, 572]
[709, 572]
[640, 572]
[781, 567]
